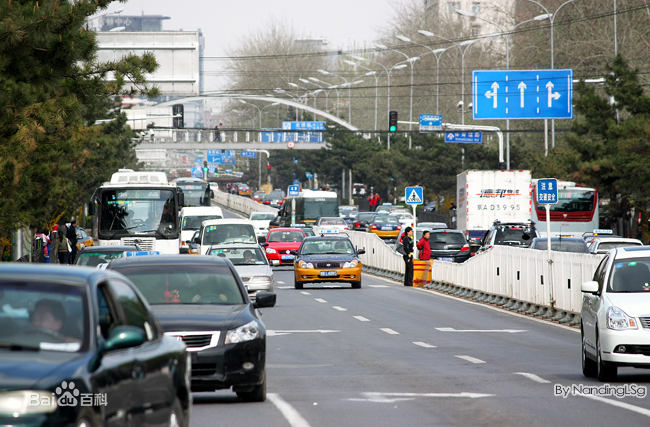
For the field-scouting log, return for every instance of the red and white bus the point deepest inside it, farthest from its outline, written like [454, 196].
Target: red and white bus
[575, 213]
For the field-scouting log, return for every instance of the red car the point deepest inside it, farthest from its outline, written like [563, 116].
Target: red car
[281, 242]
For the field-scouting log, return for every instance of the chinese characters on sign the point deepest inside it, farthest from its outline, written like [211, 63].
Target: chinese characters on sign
[547, 191]
[464, 137]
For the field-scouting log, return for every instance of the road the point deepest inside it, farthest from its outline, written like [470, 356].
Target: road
[386, 355]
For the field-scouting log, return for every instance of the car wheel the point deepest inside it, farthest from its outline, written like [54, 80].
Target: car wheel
[356, 285]
[258, 394]
[604, 372]
[588, 365]
[297, 285]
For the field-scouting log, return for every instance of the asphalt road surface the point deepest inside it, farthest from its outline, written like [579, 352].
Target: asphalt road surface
[386, 355]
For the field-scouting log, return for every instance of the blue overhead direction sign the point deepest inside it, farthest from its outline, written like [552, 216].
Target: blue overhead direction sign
[464, 137]
[214, 156]
[414, 195]
[546, 191]
[522, 94]
[303, 125]
[430, 122]
[248, 154]
[294, 191]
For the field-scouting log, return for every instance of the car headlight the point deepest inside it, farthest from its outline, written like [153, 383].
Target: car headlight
[24, 402]
[246, 332]
[271, 251]
[618, 320]
[304, 264]
[351, 264]
[261, 279]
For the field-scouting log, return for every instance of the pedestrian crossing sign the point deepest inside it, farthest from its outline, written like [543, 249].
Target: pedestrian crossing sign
[414, 195]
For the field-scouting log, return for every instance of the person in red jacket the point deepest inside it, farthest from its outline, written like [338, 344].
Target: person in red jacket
[423, 246]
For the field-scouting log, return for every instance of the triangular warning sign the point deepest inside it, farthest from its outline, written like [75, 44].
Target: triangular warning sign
[414, 197]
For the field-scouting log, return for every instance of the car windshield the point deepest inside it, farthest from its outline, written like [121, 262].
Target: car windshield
[42, 316]
[262, 216]
[563, 245]
[241, 256]
[93, 259]
[229, 233]
[322, 247]
[521, 236]
[285, 236]
[386, 219]
[309, 232]
[193, 222]
[630, 275]
[185, 284]
[447, 238]
[331, 221]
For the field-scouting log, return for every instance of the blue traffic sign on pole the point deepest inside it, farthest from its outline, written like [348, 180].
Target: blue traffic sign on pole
[414, 196]
[522, 94]
[430, 122]
[248, 154]
[309, 175]
[294, 191]
[546, 191]
[464, 137]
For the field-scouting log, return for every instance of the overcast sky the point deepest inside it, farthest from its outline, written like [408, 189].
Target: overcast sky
[225, 23]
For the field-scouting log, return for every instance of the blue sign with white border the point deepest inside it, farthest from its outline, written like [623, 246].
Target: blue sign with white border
[464, 137]
[522, 94]
[414, 195]
[214, 156]
[294, 191]
[303, 125]
[546, 191]
[430, 122]
[248, 154]
[309, 175]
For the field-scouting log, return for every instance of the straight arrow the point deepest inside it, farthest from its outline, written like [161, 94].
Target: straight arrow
[521, 87]
[493, 94]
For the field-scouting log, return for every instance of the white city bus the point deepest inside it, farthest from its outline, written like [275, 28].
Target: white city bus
[575, 213]
[137, 208]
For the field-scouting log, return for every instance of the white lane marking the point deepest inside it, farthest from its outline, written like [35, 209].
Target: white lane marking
[361, 318]
[510, 331]
[273, 333]
[292, 416]
[336, 307]
[489, 307]
[471, 359]
[389, 331]
[378, 286]
[320, 299]
[281, 282]
[395, 397]
[629, 407]
[305, 293]
[533, 377]
[423, 344]
[284, 287]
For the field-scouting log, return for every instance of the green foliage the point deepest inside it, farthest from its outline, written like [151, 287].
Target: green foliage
[52, 91]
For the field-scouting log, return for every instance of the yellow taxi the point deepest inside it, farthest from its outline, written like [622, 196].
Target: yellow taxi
[385, 226]
[327, 259]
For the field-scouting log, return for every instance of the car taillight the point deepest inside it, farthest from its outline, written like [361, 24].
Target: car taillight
[266, 202]
[346, 228]
[357, 224]
[280, 202]
[465, 248]
[373, 227]
[399, 227]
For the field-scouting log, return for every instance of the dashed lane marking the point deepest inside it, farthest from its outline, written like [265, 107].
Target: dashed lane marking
[533, 377]
[389, 331]
[336, 307]
[320, 299]
[423, 344]
[471, 359]
[361, 318]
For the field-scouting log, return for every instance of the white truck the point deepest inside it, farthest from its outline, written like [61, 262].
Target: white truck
[485, 196]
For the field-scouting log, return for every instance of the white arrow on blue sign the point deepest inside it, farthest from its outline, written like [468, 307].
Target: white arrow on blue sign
[414, 195]
[430, 122]
[294, 191]
[522, 94]
[547, 191]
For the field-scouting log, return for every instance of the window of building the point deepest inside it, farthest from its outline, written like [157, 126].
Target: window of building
[476, 7]
[452, 6]
[475, 31]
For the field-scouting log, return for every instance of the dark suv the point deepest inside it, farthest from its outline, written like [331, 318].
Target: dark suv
[519, 234]
[449, 245]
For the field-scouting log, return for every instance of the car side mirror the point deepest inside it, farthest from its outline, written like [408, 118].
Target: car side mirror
[181, 199]
[91, 208]
[264, 244]
[293, 252]
[264, 299]
[197, 240]
[361, 251]
[590, 287]
[211, 194]
[261, 239]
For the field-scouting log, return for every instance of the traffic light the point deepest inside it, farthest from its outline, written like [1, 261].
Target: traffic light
[268, 166]
[205, 166]
[392, 121]
[178, 122]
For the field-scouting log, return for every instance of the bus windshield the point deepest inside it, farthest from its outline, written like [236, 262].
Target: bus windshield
[140, 211]
[196, 194]
[574, 200]
[316, 208]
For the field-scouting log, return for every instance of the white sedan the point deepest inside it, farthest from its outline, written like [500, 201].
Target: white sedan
[615, 318]
[331, 225]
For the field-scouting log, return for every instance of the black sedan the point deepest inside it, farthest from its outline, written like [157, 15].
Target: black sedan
[202, 301]
[80, 346]
[449, 245]
[362, 221]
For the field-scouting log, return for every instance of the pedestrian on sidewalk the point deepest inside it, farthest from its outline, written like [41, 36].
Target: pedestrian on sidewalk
[424, 247]
[407, 242]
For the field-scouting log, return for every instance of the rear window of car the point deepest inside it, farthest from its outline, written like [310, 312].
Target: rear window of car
[365, 217]
[514, 235]
[385, 219]
[606, 246]
[332, 221]
[286, 236]
[447, 238]
[563, 246]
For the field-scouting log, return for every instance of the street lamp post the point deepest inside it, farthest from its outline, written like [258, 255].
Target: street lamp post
[327, 91]
[349, 85]
[551, 18]
[369, 73]
[258, 109]
[293, 96]
[361, 58]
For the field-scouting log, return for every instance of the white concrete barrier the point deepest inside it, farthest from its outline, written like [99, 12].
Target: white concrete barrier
[241, 204]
